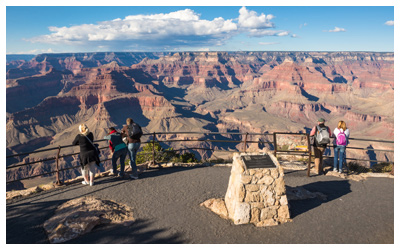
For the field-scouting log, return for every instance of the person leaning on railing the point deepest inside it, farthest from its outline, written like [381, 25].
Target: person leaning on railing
[120, 151]
[89, 157]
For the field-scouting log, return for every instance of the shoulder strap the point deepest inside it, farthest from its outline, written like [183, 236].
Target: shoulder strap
[90, 141]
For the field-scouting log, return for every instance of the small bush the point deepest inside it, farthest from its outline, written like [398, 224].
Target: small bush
[383, 168]
[163, 155]
[357, 167]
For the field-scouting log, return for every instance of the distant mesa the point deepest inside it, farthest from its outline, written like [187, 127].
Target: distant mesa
[49, 95]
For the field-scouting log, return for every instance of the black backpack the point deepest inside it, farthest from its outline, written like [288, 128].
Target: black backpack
[134, 131]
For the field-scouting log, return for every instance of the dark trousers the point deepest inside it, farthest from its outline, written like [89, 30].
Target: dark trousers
[120, 154]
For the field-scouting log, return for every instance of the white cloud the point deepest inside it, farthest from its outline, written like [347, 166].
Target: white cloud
[261, 33]
[336, 29]
[251, 20]
[35, 51]
[390, 23]
[183, 28]
[303, 25]
[203, 49]
[268, 43]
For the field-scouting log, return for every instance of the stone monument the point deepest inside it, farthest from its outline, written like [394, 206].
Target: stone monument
[256, 191]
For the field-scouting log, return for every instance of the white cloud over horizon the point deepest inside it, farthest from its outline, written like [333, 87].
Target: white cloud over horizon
[268, 43]
[336, 29]
[183, 28]
[33, 52]
[390, 23]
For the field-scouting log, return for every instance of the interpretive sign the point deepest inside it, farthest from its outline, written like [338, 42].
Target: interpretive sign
[258, 161]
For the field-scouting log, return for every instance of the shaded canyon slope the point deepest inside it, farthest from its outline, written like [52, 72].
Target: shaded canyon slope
[49, 96]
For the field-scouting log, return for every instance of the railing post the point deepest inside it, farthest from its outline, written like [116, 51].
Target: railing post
[245, 142]
[275, 144]
[58, 182]
[154, 148]
[309, 155]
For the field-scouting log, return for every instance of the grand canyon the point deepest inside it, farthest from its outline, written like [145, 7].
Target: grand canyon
[49, 95]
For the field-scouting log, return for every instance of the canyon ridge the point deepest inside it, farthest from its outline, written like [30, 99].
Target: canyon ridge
[48, 96]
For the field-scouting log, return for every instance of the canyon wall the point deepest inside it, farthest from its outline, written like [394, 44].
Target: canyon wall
[48, 96]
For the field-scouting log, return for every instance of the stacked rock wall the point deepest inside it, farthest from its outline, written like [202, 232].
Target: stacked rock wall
[256, 195]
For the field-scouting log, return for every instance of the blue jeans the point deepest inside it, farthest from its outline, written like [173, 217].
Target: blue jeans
[339, 152]
[133, 148]
[120, 154]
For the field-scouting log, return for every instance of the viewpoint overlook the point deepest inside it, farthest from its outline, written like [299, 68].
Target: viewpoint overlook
[49, 95]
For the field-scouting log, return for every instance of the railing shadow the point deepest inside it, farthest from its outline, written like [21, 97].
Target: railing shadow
[155, 172]
[332, 189]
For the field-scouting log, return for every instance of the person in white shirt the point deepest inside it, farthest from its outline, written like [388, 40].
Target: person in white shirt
[340, 142]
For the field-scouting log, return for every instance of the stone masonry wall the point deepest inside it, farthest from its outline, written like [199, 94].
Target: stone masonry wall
[256, 195]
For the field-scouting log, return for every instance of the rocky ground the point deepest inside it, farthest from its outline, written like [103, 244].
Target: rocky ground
[166, 207]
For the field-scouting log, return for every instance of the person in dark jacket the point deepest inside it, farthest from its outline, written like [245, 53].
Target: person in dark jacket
[133, 146]
[89, 157]
[120, 151]
[319, 149]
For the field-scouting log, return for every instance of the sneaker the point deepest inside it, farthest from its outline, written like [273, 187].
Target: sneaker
[340, 171]
[133, 177]
[334, 170]
[92, 183]
[84, 183]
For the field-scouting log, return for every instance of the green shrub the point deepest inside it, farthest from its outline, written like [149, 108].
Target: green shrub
[357, 167]
[382, 167]
[163, 155]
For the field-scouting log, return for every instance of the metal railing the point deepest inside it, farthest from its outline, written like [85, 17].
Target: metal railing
[244, 140]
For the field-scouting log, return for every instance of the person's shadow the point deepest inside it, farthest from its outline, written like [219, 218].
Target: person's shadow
[332, 189]
[371, 155]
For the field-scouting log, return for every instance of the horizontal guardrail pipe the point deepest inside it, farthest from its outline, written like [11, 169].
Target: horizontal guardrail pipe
[47, 149]
[360, 139]
[354, 159]
[154, 135]
[52, 172]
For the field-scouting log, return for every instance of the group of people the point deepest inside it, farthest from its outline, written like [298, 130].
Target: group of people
[321, 135]
[121, 143]
[128, 142]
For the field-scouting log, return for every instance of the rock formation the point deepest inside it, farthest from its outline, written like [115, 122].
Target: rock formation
[79, 216]
[50, 95]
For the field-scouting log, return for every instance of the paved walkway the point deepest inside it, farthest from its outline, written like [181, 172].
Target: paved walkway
[166, 205]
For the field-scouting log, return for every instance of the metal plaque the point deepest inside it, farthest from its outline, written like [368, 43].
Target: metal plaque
[258, 161]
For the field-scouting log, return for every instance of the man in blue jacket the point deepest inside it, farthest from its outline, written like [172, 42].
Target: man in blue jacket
[119, 151]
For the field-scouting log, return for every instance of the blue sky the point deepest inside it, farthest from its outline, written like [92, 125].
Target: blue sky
[56, 29]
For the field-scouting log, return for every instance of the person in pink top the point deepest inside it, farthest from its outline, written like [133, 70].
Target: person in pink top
[321, 135]
[340, 142]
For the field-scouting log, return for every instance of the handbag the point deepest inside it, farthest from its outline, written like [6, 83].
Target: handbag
[96, 146]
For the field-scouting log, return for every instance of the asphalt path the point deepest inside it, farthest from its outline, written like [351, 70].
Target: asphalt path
[166, 202]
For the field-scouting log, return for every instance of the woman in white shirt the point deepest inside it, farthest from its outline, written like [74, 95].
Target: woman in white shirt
[340, 142]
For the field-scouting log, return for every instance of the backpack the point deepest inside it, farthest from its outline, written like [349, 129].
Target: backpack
[322, 136]
[134, 131]
[341, 139]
